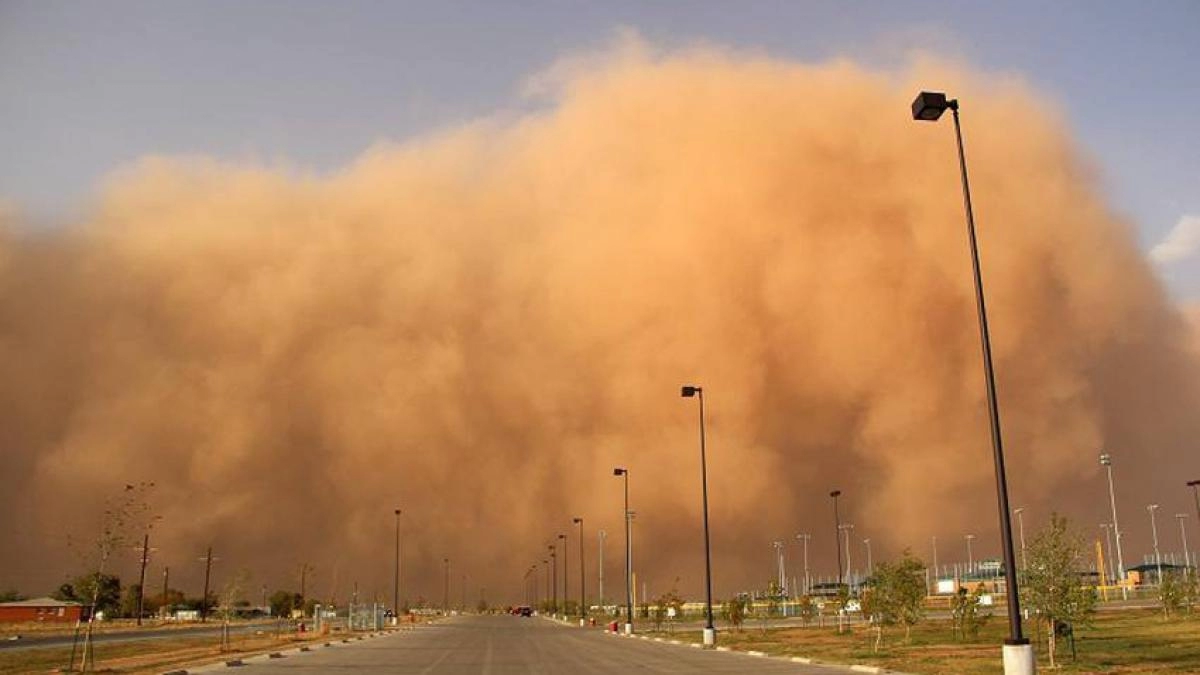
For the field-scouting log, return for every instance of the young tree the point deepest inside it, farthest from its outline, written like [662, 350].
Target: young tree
[1177, 591]
[807, 608]
[734, 611]
[230, 598]
[124, 516]
[895, 595]
[1053, 586]
[965, 614]
[774, 606]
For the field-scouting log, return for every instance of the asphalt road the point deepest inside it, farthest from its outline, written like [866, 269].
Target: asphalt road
[503, 645]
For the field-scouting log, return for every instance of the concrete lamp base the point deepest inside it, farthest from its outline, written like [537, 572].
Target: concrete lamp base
[629, 629]
[1019, 660]
[582, 623]
[710, 637]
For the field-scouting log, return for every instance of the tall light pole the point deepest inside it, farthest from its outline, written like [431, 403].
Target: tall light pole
[807, 582]
[870, 562]
[970, 557]
[566, 577]
[1017, 652]
[1021, 527]
[935, 563]
[396, 574]
[710, 631]
[1106, 462]
[601, 535]
[554, 580]
[1152, 508]
[446, 589]
[848, 528]
[1187, 559]
[1107, 527]
[837, 533]
[778, 546]
[628, 556]
[1195, 485]
[546, 571]
[582, 573]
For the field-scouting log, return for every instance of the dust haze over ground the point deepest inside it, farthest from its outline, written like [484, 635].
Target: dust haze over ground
[478, 325]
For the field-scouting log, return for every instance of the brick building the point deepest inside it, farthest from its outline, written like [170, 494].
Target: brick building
[41, 609]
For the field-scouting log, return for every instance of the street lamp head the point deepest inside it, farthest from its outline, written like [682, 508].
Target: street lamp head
[562, 536]
[689, 391]
[928, 106]
[619, 471]
[1151, 507]
[835, 493]
[577, 521]
[1105, 459]
[397, 511]
[1193, 483]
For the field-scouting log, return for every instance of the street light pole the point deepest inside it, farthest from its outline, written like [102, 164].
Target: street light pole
[601, 536]
[396, 574]
[1018, 653]
[837, 533]
[566, 552]
[710, 631]
[970, 557]
[1152, 508]
[870, 562]
[446, 589]
[582, 577]
[554, 580]
[1195, 485]
[628, 556]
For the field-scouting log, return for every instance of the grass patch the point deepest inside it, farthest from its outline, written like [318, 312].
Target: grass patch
[151, 656]
[1133, 641]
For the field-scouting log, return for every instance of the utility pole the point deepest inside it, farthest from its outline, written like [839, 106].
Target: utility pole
[208, 560]
[142, 577]
[305, 568]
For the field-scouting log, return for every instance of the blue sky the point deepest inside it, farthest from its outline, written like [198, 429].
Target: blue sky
[88, 86]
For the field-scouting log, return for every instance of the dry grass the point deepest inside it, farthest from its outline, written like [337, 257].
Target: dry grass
[155, 656]
[1135, 641]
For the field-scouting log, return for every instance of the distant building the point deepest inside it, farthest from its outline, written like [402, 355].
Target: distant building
[42, 609]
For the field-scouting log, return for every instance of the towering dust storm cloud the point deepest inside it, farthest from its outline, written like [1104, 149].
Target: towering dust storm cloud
[478, 325]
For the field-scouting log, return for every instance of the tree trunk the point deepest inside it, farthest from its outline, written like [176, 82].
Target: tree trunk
[878, 636]
[1050, 645]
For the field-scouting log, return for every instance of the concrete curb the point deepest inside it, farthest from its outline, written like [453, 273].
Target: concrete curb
[854, 667]
[266, 656]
